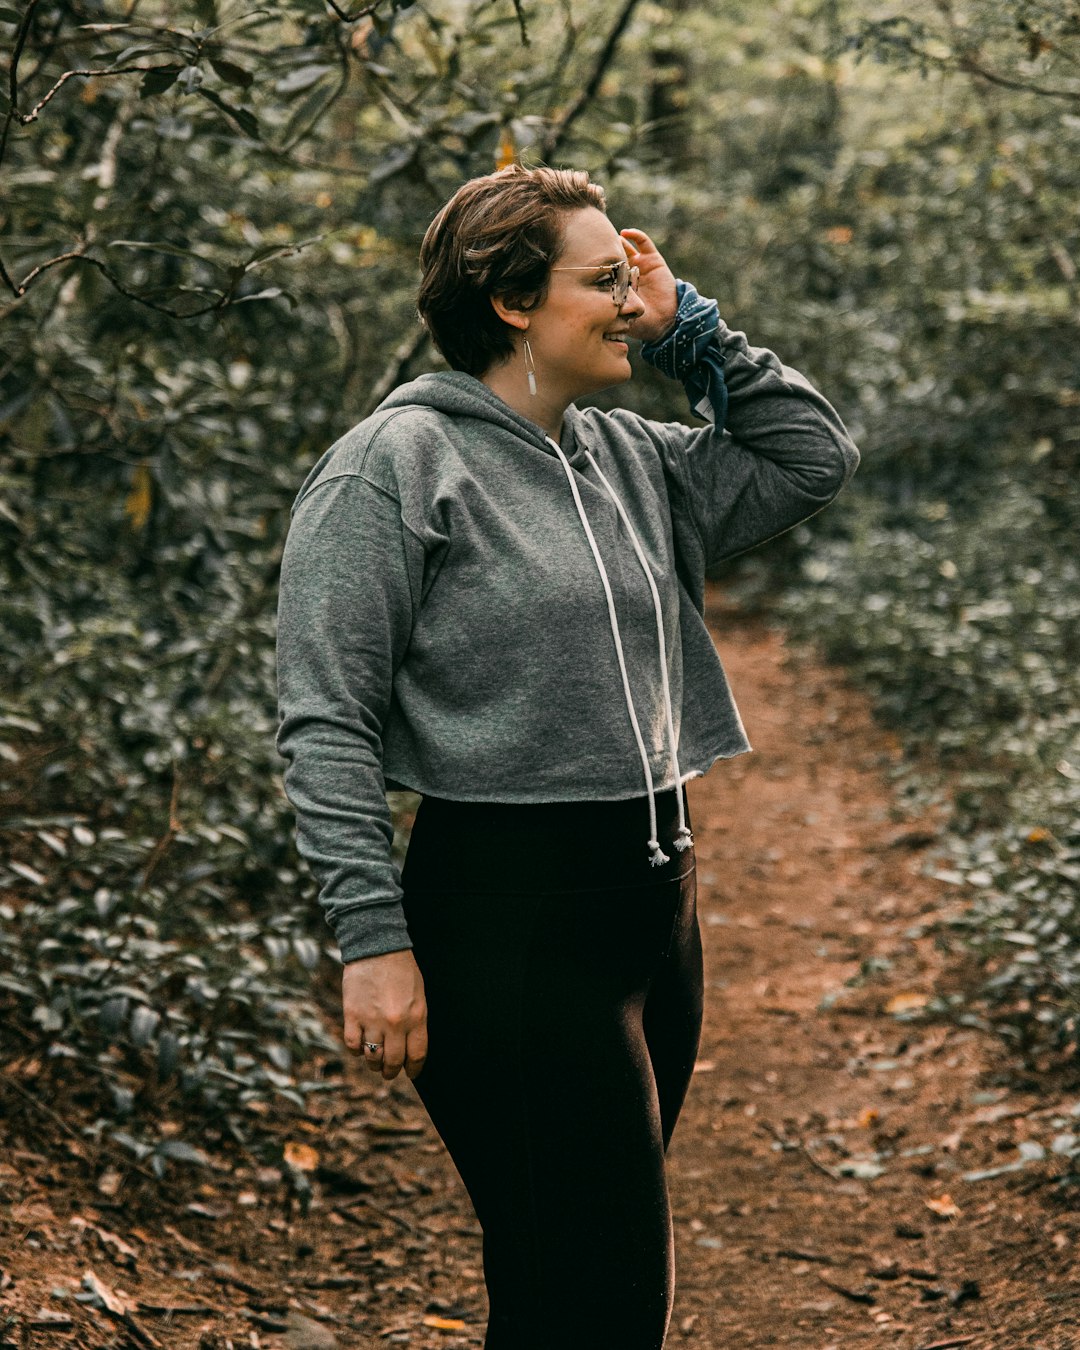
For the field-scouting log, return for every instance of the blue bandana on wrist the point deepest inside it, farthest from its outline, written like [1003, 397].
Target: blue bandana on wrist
[688, 353]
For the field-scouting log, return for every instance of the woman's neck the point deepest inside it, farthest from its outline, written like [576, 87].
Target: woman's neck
[545, 408]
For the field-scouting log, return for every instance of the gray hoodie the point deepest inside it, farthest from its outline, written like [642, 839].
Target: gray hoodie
[471, 610]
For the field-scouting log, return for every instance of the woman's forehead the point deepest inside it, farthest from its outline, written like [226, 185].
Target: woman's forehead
[589, 237]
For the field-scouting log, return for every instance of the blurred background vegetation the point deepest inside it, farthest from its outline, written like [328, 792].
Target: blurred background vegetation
[210, 219]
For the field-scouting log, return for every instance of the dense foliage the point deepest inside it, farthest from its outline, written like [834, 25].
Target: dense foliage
[208, 252]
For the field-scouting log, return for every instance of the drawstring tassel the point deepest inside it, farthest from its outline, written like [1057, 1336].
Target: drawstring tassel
[658, 858]
[683, 838]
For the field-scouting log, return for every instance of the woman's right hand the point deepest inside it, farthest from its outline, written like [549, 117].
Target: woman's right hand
[383, 1001]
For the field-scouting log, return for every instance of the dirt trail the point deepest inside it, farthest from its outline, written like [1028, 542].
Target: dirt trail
[821, 1139]
[808, 875]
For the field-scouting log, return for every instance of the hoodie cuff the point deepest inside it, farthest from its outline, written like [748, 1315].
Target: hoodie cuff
[373, 930]
[689, 351]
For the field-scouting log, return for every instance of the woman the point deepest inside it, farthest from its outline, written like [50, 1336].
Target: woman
[494, 598]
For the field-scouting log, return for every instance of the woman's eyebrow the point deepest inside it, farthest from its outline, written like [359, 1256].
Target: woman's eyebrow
[584, 267]
[605, 262]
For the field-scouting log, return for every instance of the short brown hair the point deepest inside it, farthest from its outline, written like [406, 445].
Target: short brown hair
[498, 235]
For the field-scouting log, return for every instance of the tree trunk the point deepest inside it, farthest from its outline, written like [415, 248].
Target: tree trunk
[669, 89]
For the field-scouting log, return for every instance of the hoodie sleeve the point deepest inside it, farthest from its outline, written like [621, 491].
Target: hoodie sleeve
[775, 451]
[349, 574]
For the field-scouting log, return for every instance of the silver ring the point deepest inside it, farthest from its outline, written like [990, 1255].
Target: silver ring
[372, 1046]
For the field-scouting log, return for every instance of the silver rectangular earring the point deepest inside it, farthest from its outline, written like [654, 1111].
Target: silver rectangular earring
[530, 368]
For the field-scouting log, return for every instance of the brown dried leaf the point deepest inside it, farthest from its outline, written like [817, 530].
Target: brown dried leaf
[301, 1156]
[112, 1300]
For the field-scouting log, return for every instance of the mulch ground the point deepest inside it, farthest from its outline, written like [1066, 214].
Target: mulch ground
[825, 1173]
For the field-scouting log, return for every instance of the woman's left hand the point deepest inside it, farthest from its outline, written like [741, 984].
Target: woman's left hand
[656, 286]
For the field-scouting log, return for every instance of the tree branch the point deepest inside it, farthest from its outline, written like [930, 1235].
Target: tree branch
[19, 289]
[556, 134]
[361, 13]
[970, 66]
[521, 22]
[406, 352]
[13, 74]
[32, 115]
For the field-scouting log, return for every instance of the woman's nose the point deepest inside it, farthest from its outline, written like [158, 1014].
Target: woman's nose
[632, 306]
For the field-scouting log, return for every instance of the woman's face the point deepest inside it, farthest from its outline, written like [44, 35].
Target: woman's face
[577, 335]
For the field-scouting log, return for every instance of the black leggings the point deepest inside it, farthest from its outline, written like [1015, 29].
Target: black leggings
[563, 977]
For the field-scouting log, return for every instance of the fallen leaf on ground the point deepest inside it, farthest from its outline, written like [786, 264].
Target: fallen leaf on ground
[304, 1333]
[47, 1320]
[902, 1003]
[944, 1205]
[120, 1251]
[112, 1300]
[109, 1182]
[301, 1156]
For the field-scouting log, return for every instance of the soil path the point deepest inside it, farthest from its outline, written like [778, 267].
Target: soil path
[815, 912]
[816, 1175]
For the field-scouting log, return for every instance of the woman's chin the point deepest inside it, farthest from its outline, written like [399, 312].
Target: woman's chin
[611, 377]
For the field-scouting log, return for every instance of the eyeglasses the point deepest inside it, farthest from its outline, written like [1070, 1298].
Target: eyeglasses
[623, 277]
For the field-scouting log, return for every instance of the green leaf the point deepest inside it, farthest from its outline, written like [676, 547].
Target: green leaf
[303, 78]
[9, 15]
[168, 1054]
[158, 246]
[271, 293]
[156, 81]
[241, 116]
[306, 113]
[231, 73]
[134, 53]
[180, 1151]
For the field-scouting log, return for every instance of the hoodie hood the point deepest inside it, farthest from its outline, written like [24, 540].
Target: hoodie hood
[460, 395]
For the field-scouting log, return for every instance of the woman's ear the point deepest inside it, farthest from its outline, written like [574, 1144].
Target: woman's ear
[516, 318]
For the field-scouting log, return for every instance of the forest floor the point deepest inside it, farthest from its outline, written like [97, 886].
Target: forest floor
[820, 1175]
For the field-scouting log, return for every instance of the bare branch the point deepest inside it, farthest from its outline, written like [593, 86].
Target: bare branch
[556, 134]
[32, 115]
[13, 74]
[173, 828]
[521, 22]
[361, 13]
[968, 61]
[970, 66]
[19, 289]
[406, 352]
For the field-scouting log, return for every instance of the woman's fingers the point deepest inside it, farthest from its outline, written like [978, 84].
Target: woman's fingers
[373, 1058]
[384, 1006]
[393, 1054]
[352, 1031]
[396, 1051]
[656, 285]
[638, 241]
[416, 1048]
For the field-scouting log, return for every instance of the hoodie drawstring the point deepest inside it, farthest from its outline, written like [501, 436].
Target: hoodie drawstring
[683, 837]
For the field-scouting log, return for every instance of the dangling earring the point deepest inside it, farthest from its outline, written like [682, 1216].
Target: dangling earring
[530, 368]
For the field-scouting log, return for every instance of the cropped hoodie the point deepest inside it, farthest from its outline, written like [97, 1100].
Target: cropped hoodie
[471, 610]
